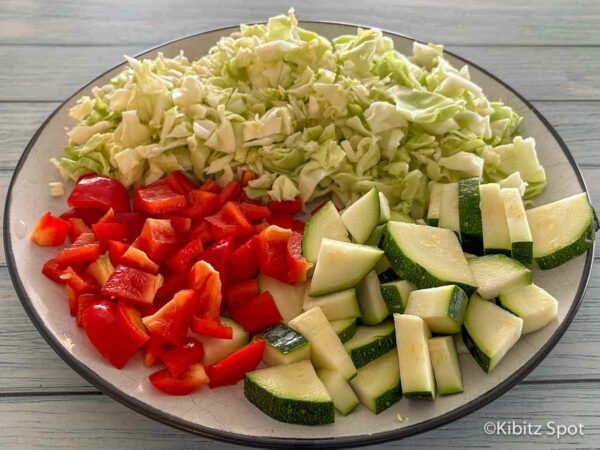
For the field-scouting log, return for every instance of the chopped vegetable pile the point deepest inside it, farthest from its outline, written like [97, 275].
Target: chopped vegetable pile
[310, 117]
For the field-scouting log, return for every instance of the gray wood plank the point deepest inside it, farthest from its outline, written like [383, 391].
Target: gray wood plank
[548, 73]
[94, 422]
[150, 22]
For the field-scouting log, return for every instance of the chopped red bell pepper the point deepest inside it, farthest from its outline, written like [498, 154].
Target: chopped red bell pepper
[153, 349]
[201, 230]
[178, 359]
[212, 328]
[53, 270]
[240, 292]
[243, 263]
[298, 226]
[158, 199]
[210, 186]
[247, 177]
[282, 220]
[297, 265]
[194, 378]
[272, 249]
[84, 249]
[172, 320]
[181, 225]
[109, 333]
[230, 222]
[287, 206]
[234, 366]
[136, 258]
[132, 285]
[72, 299]
[78, 227]
[89, 216]
[109, 232]
[184, 182]
[232, 192]
[109, 217]
[84, 301]
[205, 280]
[200, 204]
[116, 250]
[257, 314]
[255, 213]
[97, 192]
[158, 239]
[183, 259]
[177, 181]
[133, 221]
[217, 256]
[260, 227]
[81, 283]
[173, 282]
[50, 231]
[132, 318]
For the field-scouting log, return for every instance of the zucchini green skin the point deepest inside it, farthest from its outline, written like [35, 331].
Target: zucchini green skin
[469, 214]
[283, 338]
[433, 222]
[522, 252]
[363, 355]
[347, 333]
[388, 275]
[413, 272]
[392, 299]
[420, 395]
[299, 412]
[577, 247]
[458, 305]
[387, 399]
[480, 357]
[497, 251]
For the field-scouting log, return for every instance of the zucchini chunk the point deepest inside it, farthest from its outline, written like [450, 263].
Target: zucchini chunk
[395, 295]
[562, 230]
[284, 345]
[498, 274]
[375, 238]
[442, 308]
[384, 209]
[336, 306]
[344, 398]
[435, 201]
[531, 303]
[446, 367]
[377, 385]
[370, 343]
[427, 256]
[373, 309]
[493, 220]
[290, 394]
[518, 228]
[459, 344]
[362, 216]
[489, 332]
[216, 348]
[449, 215]
[288, 297]
[469, 214]
[325, 223]
[344, 328]
[397, 216]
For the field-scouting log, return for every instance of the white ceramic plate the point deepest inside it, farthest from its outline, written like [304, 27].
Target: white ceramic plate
[224, 413]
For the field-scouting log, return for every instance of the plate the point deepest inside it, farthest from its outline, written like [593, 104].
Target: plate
[224, 414]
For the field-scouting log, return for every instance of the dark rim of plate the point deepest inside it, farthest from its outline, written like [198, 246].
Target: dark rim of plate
[270, 442]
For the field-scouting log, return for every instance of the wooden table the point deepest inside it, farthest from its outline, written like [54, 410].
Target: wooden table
[547, 50]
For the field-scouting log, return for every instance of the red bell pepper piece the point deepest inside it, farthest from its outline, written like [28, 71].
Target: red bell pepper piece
[243, 263]
[132, 285]
[234, 366]
[257, 314]
[84, 249]
[205, 280]
[200, 204]
[153, 349]
[183, 259]
[232, 192]
[194, 378]
[287, 206]
[184, 182]
[72, 299]
[297, 266]
[116, 250]
[158, 239]
[136, 258]
[81, 283]
[179, 359]
[210, 186]
[201, 230]
[89, 216]
[282, 220]
[181, 225]
[230, 222]
[240, 292]
[158, 199]
[133, 221]
[53, 270]
[109, 232]
[78, 227]
[50, 231]
[255, 213]
[108, 217]
[173, 282]
[212, 328]
[217, 256]
[84, 301]
[247, 177]
[260, 227]
[109, 333]
[172, 320]
[97, 192]
[298, 226]
[272, 249]
[132, 318]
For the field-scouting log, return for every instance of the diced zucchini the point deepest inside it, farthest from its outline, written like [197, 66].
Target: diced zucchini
[216, 348]
[435, 202]
[493, 220]
[344, 398]
[449, 215]
[518, 227]
[370, 343]
[531, 303]
[416, 373]
[446, 366]
[101, 269]
[460, 346]
[375, 238]
[362, 216]
[288, 297]
[562, 230]
[427, 256]
[291, 394]
[395, 295]
[284, 345]
[344, 328]
[326, 349]
[498, 274]
[342, 265]
[339, 305]
[489, 332]
[383, 265]
[470, 214]
[387, 276]
[384, 209]
[397, 216]
[377, 384]
[442, 308]
[325, 223]
[373, 309]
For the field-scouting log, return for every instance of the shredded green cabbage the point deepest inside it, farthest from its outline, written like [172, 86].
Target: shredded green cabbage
[311, 117]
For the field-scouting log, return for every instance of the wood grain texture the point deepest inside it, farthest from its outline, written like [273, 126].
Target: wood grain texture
[149, 22]
[96, 422]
